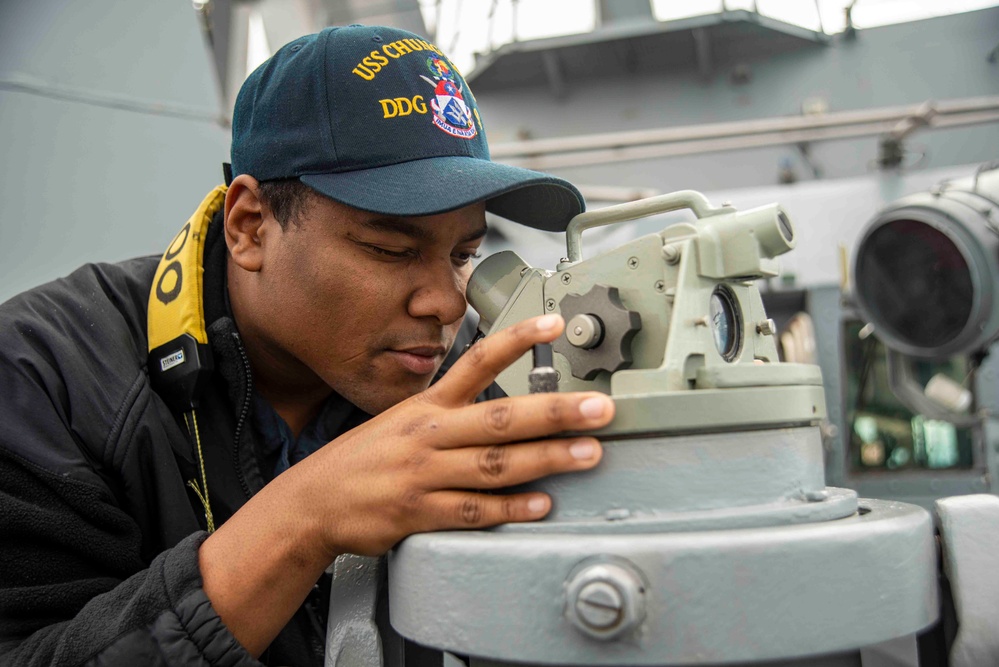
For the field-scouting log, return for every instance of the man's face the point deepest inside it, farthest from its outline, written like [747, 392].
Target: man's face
[367, 304]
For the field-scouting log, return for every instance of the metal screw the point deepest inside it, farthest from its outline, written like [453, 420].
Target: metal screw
[599, 605]
[566, 278]
[660, 286]
[766, 327]
[671, 253]
[606, 599]
[550, 304]
[632, 262]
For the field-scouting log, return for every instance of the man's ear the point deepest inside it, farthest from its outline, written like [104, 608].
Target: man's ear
[245, 215]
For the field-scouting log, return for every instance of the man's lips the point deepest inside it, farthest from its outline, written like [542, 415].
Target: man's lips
[422, 360]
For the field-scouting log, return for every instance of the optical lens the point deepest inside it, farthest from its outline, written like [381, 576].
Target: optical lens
[725, 323]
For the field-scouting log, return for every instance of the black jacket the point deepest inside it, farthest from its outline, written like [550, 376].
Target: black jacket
[98, 531]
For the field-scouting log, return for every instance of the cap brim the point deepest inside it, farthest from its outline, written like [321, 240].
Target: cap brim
[437, 185]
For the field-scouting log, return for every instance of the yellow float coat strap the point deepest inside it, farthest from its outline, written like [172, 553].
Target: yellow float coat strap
[176, 296]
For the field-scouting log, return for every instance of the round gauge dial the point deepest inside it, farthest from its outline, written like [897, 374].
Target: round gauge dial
[726, 323]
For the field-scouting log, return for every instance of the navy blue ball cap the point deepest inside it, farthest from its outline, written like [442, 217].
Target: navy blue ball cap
[379, 119]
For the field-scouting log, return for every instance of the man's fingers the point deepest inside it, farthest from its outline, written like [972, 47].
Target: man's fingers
[449, 510]
[479, 366]
[499, 466]
[519, 418]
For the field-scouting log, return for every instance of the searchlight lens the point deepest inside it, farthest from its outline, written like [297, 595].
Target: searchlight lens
[926, 271]
[917, 281]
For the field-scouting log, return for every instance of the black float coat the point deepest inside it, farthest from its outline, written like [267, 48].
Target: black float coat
[98, 531]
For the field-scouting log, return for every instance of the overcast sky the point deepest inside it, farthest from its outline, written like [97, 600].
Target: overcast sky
[466, 27]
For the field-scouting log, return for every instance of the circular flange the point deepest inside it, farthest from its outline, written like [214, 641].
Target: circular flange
[724, 596]
[715, 481]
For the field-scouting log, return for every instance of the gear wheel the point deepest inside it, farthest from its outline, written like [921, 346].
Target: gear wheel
[598, 332]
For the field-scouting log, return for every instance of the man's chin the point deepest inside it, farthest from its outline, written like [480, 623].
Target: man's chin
[377, 402]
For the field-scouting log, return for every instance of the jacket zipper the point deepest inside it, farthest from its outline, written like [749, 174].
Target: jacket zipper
[244, 410]
[317, 644]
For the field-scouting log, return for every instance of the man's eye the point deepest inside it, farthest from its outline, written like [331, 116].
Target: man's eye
[399, 254]
[465, 257]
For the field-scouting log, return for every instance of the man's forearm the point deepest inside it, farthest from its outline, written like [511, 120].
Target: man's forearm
[261, 564]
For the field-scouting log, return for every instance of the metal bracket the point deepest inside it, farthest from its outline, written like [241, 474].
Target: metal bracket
[352, 637]
[907, 390]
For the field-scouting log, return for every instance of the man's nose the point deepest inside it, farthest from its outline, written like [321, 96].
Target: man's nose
[440, 293]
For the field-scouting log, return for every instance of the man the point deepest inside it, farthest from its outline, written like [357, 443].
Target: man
[313, 301]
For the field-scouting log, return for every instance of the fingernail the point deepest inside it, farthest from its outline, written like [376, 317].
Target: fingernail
[582, 450]
[547, 322]
[537, 505]
[594, 407]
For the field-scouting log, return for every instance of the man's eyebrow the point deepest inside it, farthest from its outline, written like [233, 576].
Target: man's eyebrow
[418, 232]
[397, 226]
[477, 234]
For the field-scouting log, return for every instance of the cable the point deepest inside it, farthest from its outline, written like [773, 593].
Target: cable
[200, 491]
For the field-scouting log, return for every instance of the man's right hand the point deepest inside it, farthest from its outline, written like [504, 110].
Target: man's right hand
[420, 466]
[423, 464]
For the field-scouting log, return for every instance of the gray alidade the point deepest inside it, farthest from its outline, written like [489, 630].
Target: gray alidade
[706, 535]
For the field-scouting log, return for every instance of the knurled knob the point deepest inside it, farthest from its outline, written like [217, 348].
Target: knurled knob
[598, 332]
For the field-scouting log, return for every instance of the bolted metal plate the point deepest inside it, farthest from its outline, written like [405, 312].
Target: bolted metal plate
[723, 596]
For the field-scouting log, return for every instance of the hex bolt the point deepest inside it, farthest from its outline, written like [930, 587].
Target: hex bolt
[671, 253]
[566, 278]
[632, 262]
[767, 327]
[550, 304]
[605, 599]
